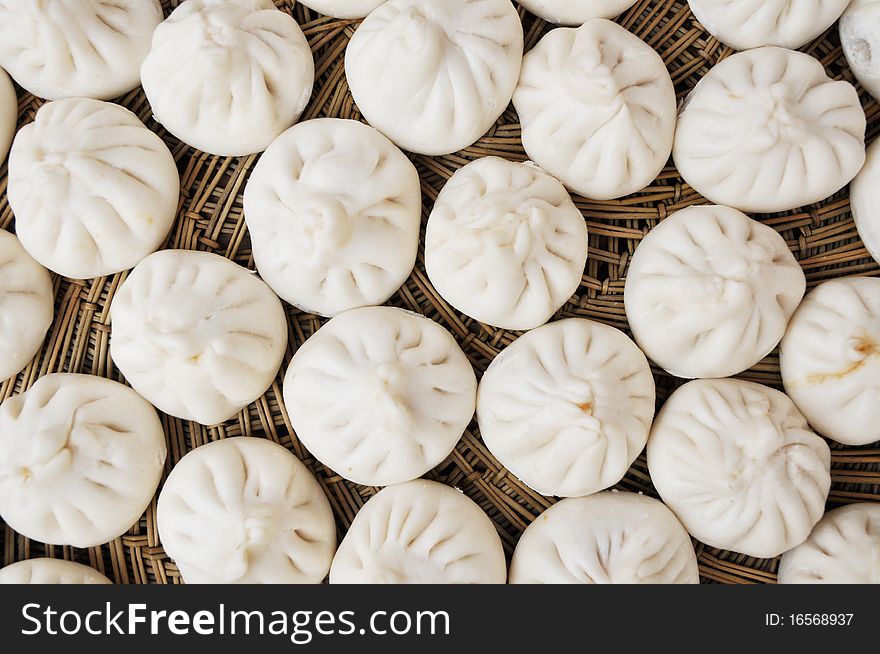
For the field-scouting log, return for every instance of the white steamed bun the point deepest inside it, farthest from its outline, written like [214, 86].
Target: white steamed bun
[844, 548]
[435, 76]
[607, 538]
[860, 38]
[864, 198]
[76, 48]
[50, 571]
[197, 335]
[567, 407]
[505, 244]
[744, 24]
[246, 511]
[767, 130]
[343, 8]
[597, 108]
[80, 459]
[709, 292]
[27, 305]
[333, 209]
[830, 359]
[739, 466]
[575, 12]
[92, 189]
[228, 76]
[380, 395]
[420, 532]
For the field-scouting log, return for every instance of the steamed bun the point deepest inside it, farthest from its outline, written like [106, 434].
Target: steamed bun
[228, 76]
[709, 292]
[844, 548]
[380, 395]
[607, 538]
[864, 199]
[343, 8]
[744, 24]
[767, 130]
[197, 335]
[567, 407]
[575, 12]
[830, 359]
[8, 113]
[435, 76]
[246, 511]
[420, 532]
[80, 459]
[27, 305]
[860, 38]
[50, 571]
[597, 108]
[739, 466]
[505, 244]
[92, 189]
[76, 48]
[333, 209]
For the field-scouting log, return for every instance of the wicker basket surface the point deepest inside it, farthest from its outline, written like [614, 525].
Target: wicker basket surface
[822, 237]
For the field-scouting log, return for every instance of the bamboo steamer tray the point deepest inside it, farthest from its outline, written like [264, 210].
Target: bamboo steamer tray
[822, 237]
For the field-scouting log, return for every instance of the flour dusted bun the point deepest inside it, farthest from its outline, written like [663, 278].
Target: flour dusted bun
[80, 459]
[575, 12]
[767, 130]
[333, 209]
[597, 109]
[830, 359]
[8, 113]
[380, 395]
[864, 198]
[607, 538]
[50, 571]
[246, 511]
[739, 466]
[420, 532]
[76, 48]
[844, 548]
[709, 292]
[92, 189]
[860, 39]
[505, 244]
[27, 305]
[228, 76]
[744, 24]
[197, 335]
[435, 76]
[343, 8]
[567, 407]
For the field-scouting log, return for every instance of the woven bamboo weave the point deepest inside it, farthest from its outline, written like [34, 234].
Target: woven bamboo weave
[822, 237]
